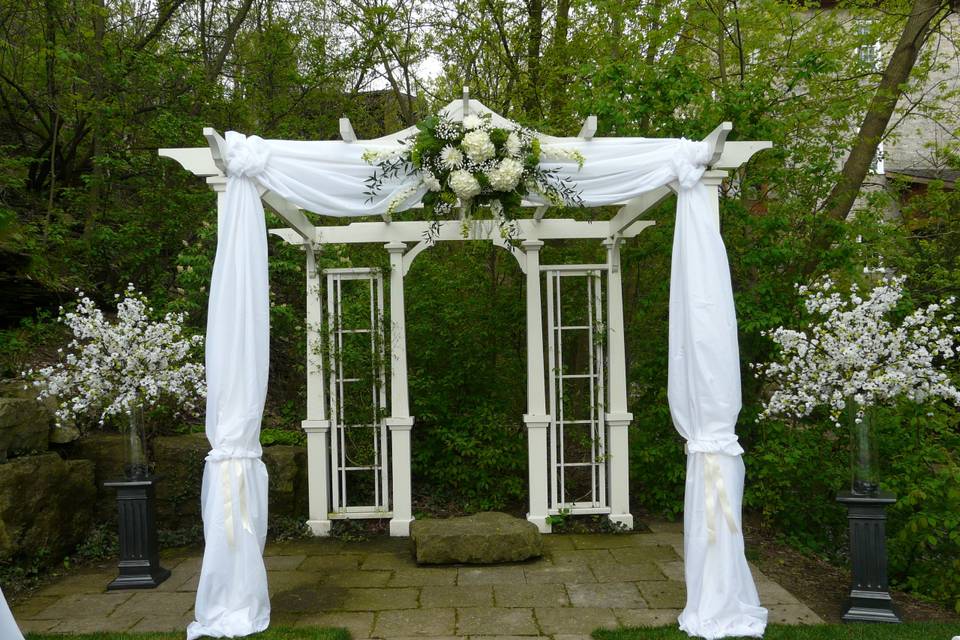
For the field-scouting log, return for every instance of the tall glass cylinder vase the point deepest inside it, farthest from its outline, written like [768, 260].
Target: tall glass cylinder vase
[864, 452]
[136, 464]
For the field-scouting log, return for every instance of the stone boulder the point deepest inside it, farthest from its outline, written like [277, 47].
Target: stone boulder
[287, 468]
[483, 538]
[24, 427]
[106, 451]
[46, 506]
[179, 461]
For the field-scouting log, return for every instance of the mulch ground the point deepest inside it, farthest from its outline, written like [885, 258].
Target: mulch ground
[822, 586]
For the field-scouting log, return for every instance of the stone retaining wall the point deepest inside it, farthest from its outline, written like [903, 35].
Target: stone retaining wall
[52, 493]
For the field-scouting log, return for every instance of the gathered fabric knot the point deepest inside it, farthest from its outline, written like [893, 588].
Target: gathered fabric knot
[729, 446]
[690, 161]
[245, 156]
[220, 454]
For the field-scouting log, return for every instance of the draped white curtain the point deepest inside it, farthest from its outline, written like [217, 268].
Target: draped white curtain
[232, 595]
[8, 626]
[704, 395]
[332, 178]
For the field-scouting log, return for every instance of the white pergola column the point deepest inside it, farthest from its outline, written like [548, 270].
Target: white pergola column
[617, 417]
[537, 419]
[316, 426]
[713, 180]
[400, 422]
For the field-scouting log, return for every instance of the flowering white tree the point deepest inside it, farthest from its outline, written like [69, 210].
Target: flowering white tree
[113, 368]
[853, 353]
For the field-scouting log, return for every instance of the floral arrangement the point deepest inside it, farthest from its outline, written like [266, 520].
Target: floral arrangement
[470, 164]
[856, 357]
[113, 368]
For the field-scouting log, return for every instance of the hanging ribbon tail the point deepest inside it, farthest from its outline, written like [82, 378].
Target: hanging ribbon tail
[228, 470]
[716, 492]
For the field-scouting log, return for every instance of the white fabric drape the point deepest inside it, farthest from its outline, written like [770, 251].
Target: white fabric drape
[232, 595]
[333, 178]
[704, 396]
[8, 626]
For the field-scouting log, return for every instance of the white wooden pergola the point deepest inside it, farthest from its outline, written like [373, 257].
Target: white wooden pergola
[608, 419]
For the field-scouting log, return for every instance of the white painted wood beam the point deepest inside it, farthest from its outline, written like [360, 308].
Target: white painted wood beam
[540, 212]
[527, 229]
[466, 101]
[346, 130]
[589, 128]
[196, 160]
[735, 154]
[716, 139]
[218, 148]
[631, 212]
[411, 255]
[292, 214]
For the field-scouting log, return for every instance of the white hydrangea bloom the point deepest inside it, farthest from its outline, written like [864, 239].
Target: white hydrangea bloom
[464, 184]
[855, 352]
[506, 175]
[430, 181]
[451, 157]
[478, 146]
[472, 122]
[514, 145]
[110, 367]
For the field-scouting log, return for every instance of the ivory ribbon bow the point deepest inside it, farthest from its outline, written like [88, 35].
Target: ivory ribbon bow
[229, 469]
[716, 491]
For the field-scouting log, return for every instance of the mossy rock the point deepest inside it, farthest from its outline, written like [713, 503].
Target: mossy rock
[179, 460]
[46, 506]
[287, 468]
[106, 451]
[24, 427]
[483, 538]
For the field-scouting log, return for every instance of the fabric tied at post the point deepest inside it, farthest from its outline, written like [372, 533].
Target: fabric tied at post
[232, 470]
[703, 389]
[232, 597]
[245, 156]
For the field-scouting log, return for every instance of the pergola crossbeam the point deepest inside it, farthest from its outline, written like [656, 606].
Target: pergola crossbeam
[217, 148]
[415, 231]
[346, 130]
[717, 139]
[292, 214]
[735, 154]
[589, 128]
[631, 212]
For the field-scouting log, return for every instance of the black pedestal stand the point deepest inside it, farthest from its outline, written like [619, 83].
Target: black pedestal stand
[869, 594]
[139, 552]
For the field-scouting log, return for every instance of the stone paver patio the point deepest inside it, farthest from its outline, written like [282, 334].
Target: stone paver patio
[376, 590]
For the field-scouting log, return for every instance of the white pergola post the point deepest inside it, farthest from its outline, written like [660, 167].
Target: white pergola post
[712, 180]
[537, 419]
[400, 422]
[316, 426]
[617, 417]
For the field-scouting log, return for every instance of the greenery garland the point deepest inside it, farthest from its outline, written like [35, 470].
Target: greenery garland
[471, 164]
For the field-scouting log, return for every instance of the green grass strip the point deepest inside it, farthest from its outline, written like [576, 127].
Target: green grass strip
[906, 631]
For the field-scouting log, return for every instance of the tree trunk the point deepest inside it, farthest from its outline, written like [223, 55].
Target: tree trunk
[531, 102]
[560, 59]
[921, 22]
